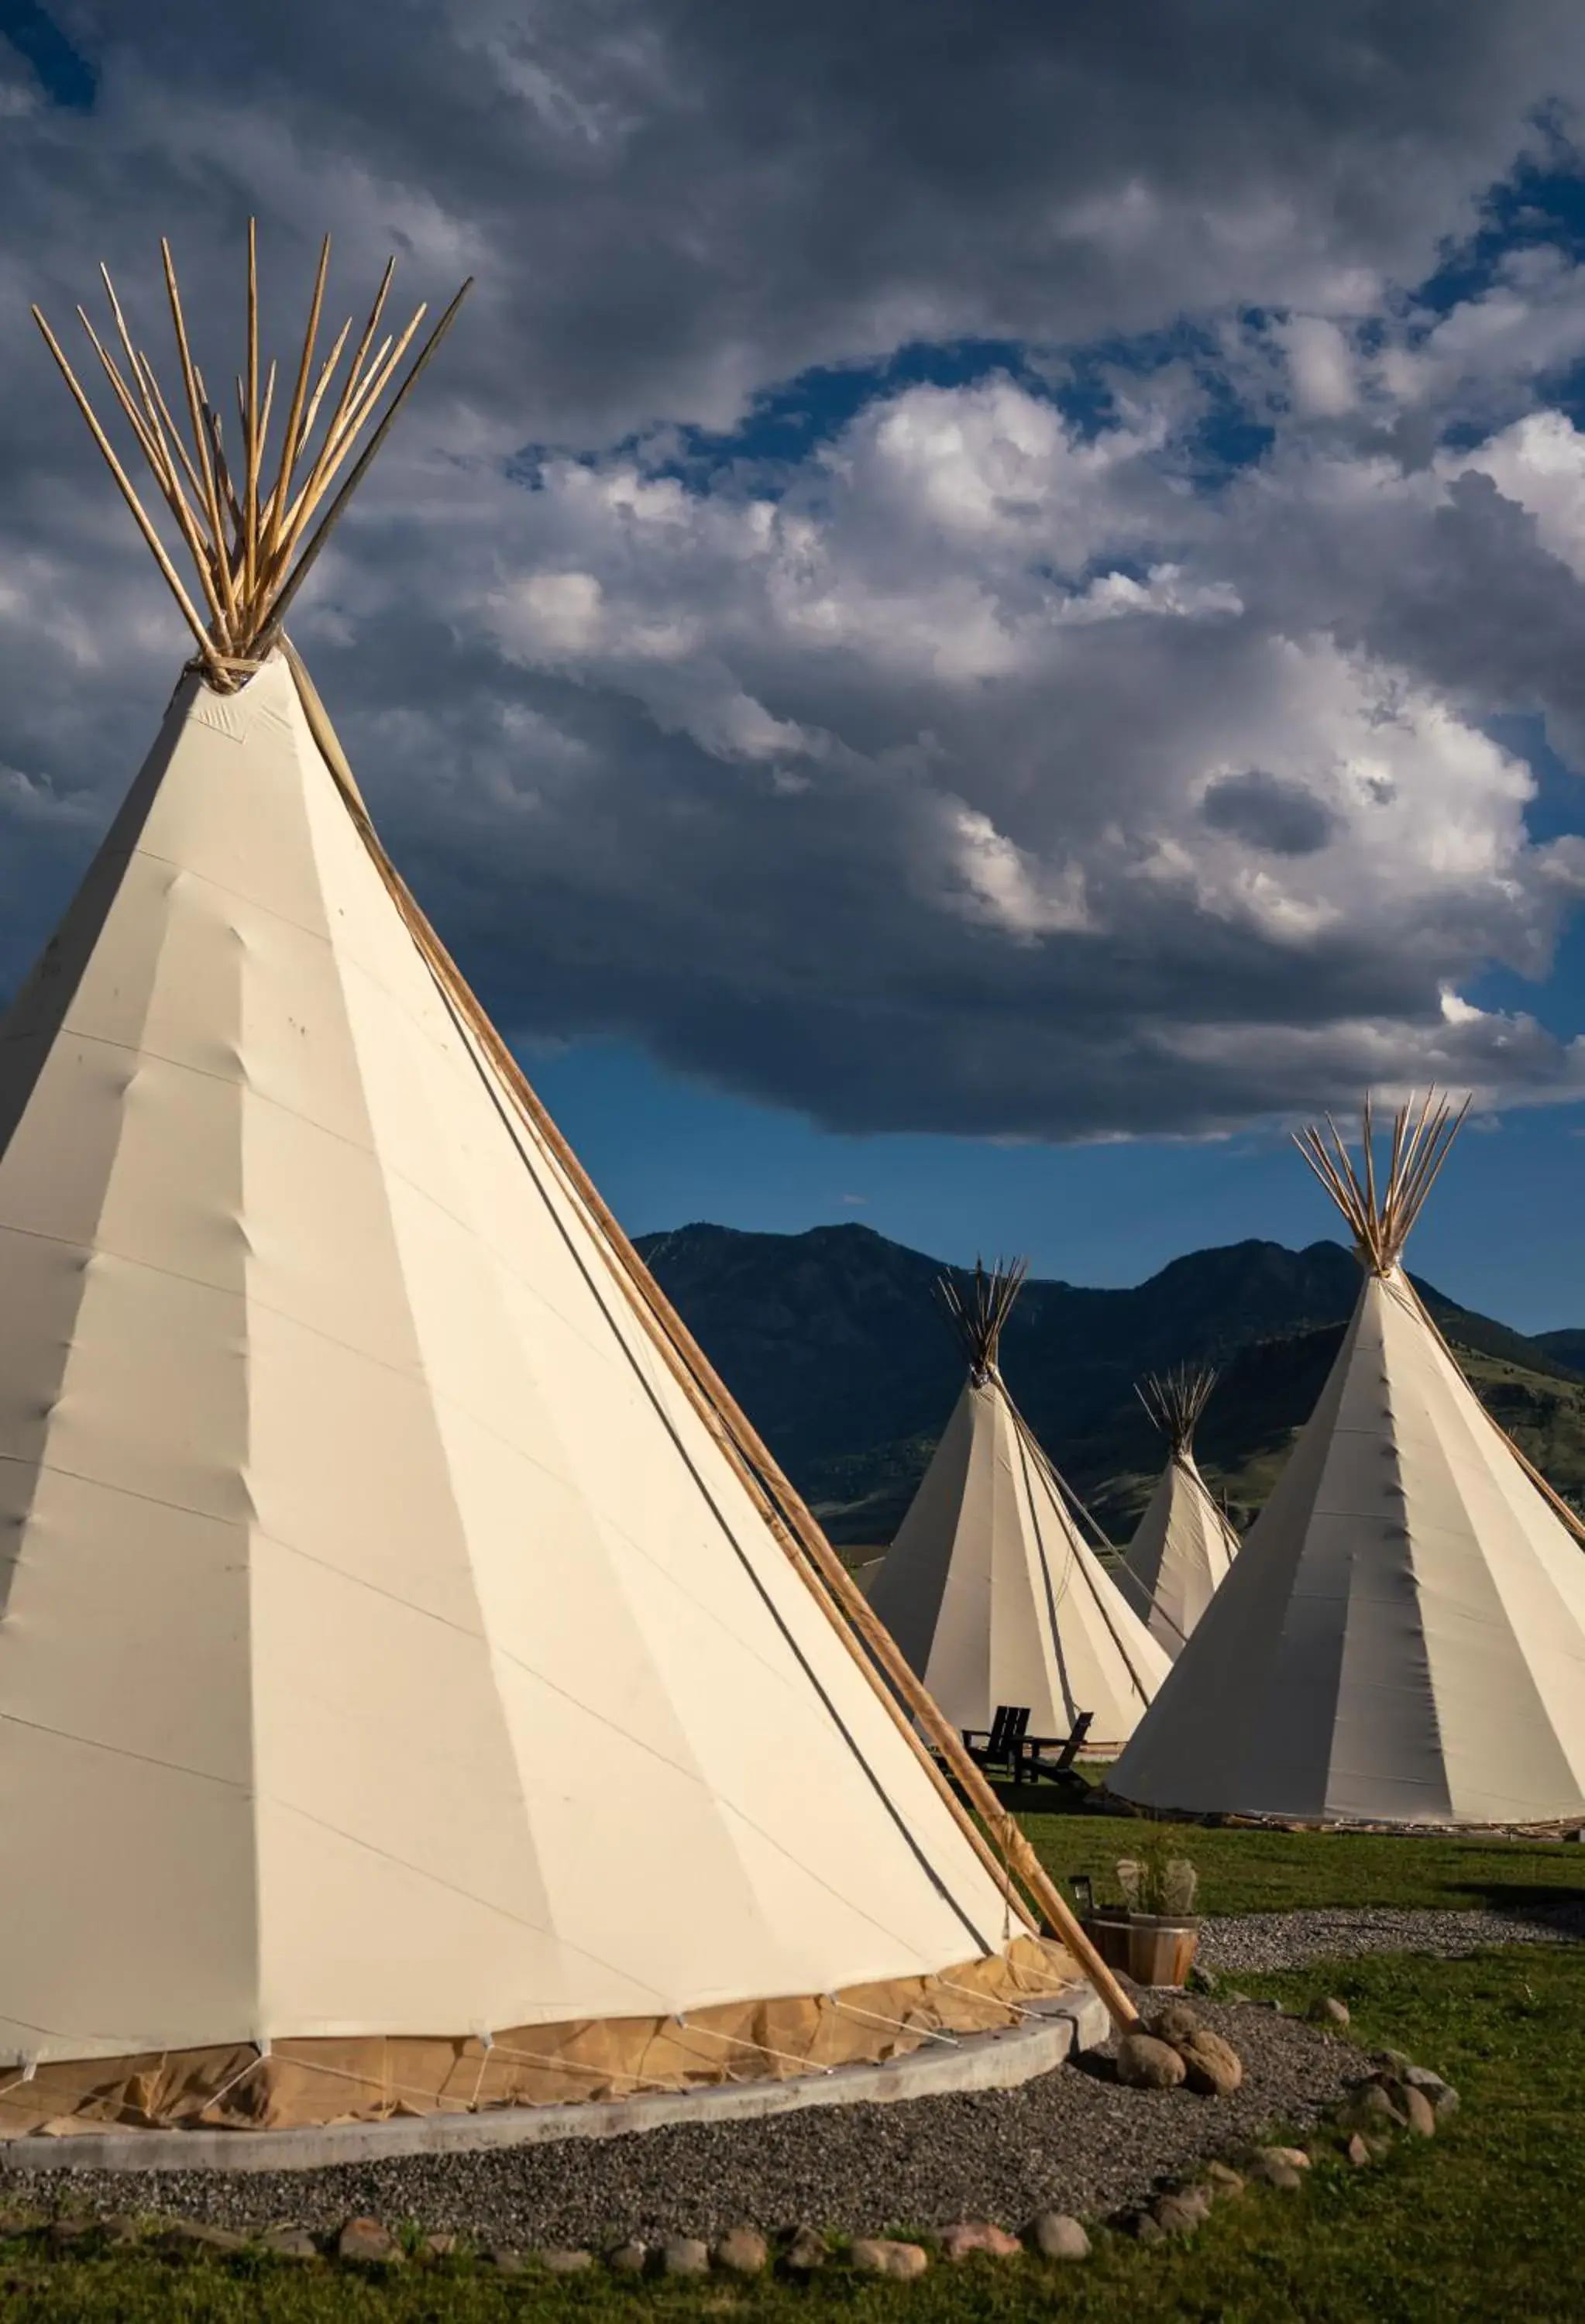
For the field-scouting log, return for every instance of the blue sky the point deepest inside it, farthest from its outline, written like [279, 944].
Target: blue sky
[981, 615]
[1500, 1234]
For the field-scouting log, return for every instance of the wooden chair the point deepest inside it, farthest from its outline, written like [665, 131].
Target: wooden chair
[1031, 1764]
[1004, 1744]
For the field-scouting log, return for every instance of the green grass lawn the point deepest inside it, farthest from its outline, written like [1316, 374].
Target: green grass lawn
[1259, 1871]
[1479, 2223]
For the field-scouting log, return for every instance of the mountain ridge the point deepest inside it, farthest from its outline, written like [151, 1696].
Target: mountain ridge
[833, 1341]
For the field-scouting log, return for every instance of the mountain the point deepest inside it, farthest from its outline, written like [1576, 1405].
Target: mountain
[1564, 1347]
[835, 1342]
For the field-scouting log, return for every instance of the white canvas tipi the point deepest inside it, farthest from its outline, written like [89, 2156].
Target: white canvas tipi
[1183, 1544]
[1402, 1637]
[990, 1589]
[412, 1691]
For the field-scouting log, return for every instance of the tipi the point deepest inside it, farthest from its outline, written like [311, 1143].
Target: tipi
[419, 1687]
[1401, 1640]
[990, 1589]
[1183, 1544]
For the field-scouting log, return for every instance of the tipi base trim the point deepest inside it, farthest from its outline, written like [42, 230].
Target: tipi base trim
[610, 2062]
[1003, 2059]
[1235, 1820]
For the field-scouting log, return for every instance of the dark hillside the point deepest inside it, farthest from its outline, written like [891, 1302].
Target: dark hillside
[833, 1341]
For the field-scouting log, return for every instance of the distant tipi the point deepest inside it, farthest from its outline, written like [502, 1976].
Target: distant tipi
[1184, 1544]
[1401, 1640]
[419, 1687]
[990, 1589]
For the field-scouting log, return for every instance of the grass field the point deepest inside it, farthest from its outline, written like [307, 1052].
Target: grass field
[1481, 2222]
[1257, 1871]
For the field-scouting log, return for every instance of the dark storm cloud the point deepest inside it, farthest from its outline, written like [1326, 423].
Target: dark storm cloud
[918, 790]
[678, 201]
[1268, 812]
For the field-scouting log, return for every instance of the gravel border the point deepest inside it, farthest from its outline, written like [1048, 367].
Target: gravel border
[1072, 2141]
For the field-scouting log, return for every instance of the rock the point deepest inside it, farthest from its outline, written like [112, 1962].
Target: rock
[558, 2259]
[442, 2245]
[1174, 2025]
[63, 2232]
[1212, 2066]
[684, 2256]
[973, 2238]
[194, 2236]
[1143, 2226]
[1443, 2095]
[1273, 2173]
[1370, 2108]
[368, 2243]
[1357, 2152]
[629, 2258]
[505, 2261]
[1144, 2063]
[1056, 2236]
[1394, 2063]
[1295, 2156]
[1328, 2011]
[118, 2229]
[807, 2251]
[1222, 2179]
[1202, 1980]
[742, 2251]
[1181, 2214]
[289, 2243]
[1397, 2094]
[1419, 2111]
[878, 2255]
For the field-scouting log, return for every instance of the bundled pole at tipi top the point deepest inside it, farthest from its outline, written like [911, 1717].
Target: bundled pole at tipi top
[382, 1552]
[1183, 1543]
[1401, 1640]
[990, 1588]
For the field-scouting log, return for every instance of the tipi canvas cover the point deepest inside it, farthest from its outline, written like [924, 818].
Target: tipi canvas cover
[990, 1590]
[406, 1697]
[1402, 1637]
[1183, 1544]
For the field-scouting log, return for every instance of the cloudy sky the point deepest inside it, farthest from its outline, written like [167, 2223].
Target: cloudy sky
[985, 606]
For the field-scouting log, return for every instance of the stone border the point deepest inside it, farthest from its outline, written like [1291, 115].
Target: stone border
[998, 2060]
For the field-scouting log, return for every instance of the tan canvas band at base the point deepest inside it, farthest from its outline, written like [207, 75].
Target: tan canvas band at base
[371, 2078]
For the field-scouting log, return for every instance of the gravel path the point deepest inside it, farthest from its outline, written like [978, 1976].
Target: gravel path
[1071, 2140]
[1276, 1941]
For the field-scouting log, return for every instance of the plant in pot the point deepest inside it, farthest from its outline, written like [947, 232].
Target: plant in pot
[1154, 1933]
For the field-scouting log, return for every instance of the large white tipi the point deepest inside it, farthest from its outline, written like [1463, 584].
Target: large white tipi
[1183, 1544]
[1401, 1640]
[990, 1589]
[418, 1685]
